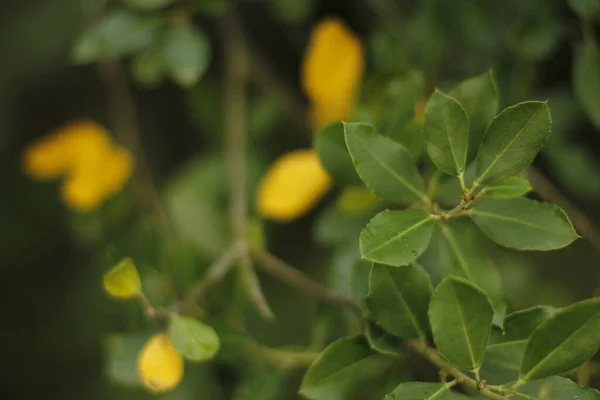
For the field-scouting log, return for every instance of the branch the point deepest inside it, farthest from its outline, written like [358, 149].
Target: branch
[546, 189]
[236, 79]
[287, 273]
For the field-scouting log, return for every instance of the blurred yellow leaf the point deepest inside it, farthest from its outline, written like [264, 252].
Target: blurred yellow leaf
[355, 199]
[123, 281]
[332, 70]
[95, 168]
[292, 186]
[160, 366]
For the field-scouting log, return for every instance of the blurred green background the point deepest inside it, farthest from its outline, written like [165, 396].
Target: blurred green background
[56, 316]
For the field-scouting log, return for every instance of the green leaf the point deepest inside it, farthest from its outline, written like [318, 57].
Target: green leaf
[424, 391]
[187, 54]
[563, 342]
[381, 341]
[523, 224]
[195, 340]
[512, 140]
[330, 146]
[514, 186]
[345, 369]
[123, 280]
[385, 166]
[504, 354]
[479, 97]
[461, 318]
[465, 256]
[121, 353]
[446, 133]
[398, 299]
[586, 78]
[116, 34]
[147, 5]
[396, 237]
[586, 9]
[557, 387]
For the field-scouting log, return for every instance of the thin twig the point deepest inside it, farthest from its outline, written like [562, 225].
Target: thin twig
[287, 273]
[546, 189]
[436, 359]
[124, 113]
[213, 274]
[236, 79]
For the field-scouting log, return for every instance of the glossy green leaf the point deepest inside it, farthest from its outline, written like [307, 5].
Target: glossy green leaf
[512, 140]
[330, 146]
[187, 54]
[514, 186]
[479, 97]
[424, 391]
[559, 388]
[586, 78]
[346, 368]
[586, 9]
[523, 224]
[399, 298]
[195, 340]
[116, 34]
[461, 318]
[563, 342]
[396, 237]
[384, 165]
[382, 342]
[147, 5]
[465, 256]
[504, 354]
[446, 133]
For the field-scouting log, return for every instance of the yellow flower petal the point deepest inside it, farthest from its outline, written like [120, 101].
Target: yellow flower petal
[123, 280]
[333, 65]
[64, 149]
[81, 191]
[292, 186]
[160, 366]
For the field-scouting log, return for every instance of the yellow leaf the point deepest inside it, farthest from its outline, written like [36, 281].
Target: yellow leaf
[123, 281]
[333, 65]
[292, 186]
[355, 200]
[160, 366]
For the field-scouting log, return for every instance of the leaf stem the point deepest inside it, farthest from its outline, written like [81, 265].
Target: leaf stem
[286, 359]
[287, 273]
[436, 359]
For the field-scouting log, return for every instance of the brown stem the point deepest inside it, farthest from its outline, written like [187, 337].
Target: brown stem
[127, 129]
[287, 273]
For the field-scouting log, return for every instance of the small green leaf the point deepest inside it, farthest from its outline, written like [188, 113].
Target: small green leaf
[559, 388]
[504, 355]
[187, 54]
[396, 238]
[385, 166]
[512, 140]
[479, 97]
[381, 341]
[465, 257]
[330, 146]
[586, 78]
[446, 133]
[461, 318]
[346, 368]
[195, 340]
[424, 391]
[523, 224]
[123, 281]
[398, 299]
[586, 9]
[508, 188]
[563, 342]
[147, 5]
[116, 34]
